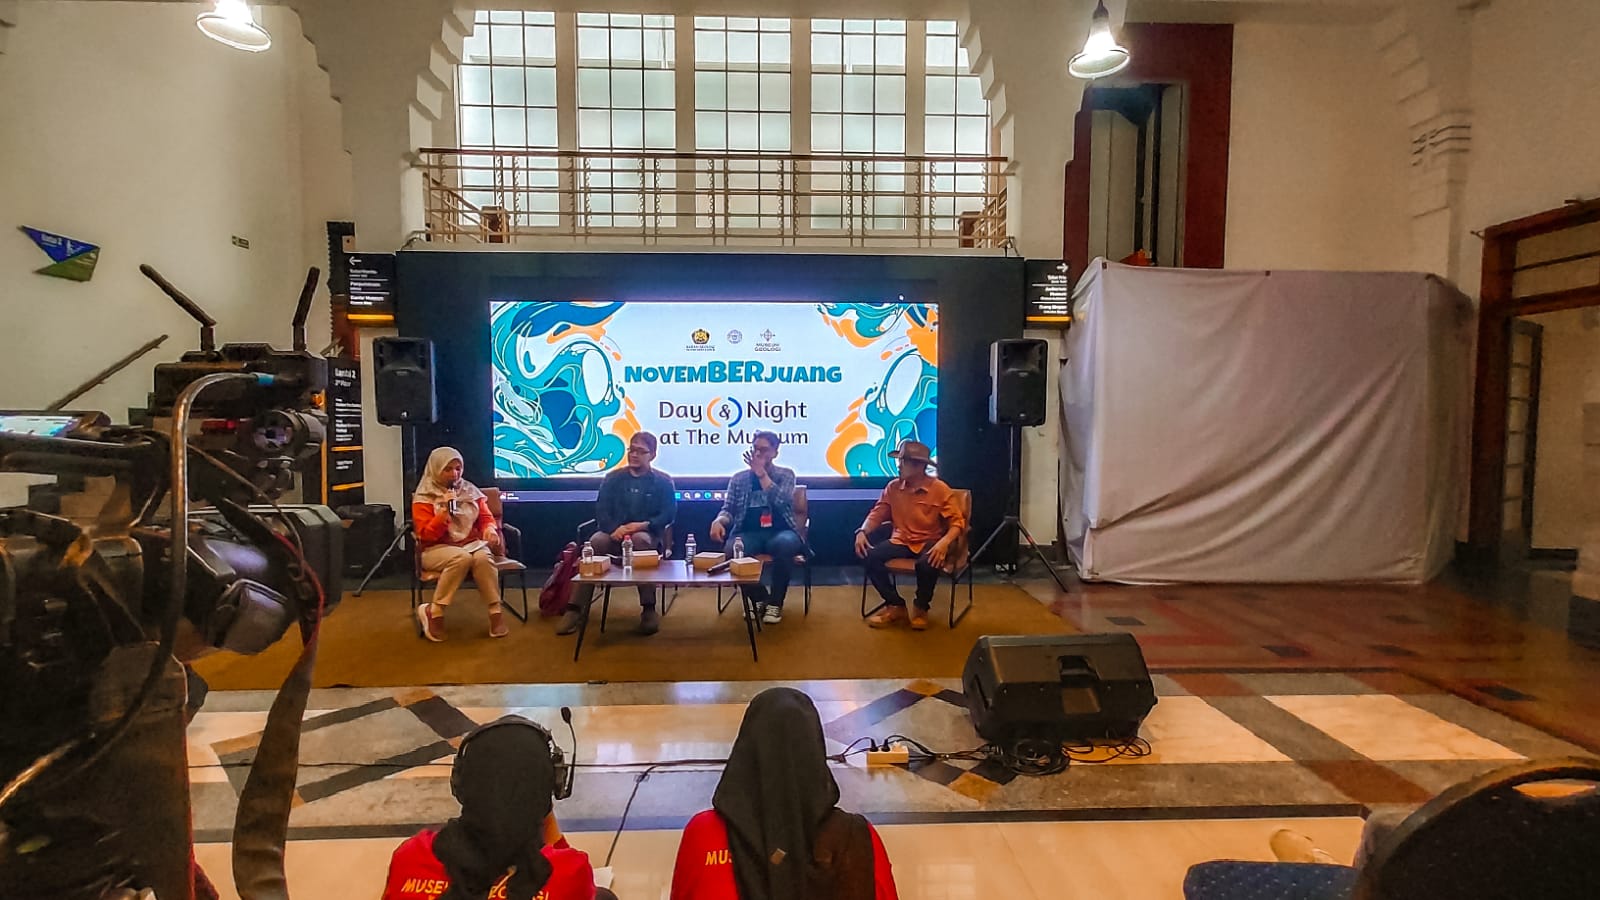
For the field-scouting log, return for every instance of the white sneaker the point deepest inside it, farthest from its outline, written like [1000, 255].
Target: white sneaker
[772, 616]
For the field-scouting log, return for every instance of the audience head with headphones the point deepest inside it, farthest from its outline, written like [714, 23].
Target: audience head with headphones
[507, 775]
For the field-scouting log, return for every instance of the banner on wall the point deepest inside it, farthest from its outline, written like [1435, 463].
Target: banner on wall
[74, 260]
[841, 384]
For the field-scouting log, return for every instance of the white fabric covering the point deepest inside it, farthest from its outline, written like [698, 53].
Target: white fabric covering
[1263, 427]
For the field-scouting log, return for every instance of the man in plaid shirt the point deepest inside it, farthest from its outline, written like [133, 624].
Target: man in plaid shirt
[759, 507]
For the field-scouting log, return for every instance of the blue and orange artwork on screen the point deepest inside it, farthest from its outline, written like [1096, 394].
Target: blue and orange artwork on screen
[840, 383]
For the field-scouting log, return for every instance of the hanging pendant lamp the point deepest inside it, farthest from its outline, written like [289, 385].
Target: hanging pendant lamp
[1102, 55]
[231, 23]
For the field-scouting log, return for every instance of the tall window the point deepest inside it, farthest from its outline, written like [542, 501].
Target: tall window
[956, 121]
[858, 86]
[742, 104]
[741, 84]
[506, 84]
[858, 106]
[798, 127]
[957, 115]
[625, 102]
[506, 95]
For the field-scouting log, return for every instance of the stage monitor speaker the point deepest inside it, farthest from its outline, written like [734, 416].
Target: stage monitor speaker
[402, 370]
[1070, 687]
[1016, 381]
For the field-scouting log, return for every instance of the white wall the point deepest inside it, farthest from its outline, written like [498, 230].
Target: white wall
[1317, 170]
[1568, 358]
[1535, 115]
[126, 127]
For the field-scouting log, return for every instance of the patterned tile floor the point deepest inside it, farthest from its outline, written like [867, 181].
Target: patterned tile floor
[1312, 704]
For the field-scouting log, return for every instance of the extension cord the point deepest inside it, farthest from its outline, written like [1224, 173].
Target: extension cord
[896, 755]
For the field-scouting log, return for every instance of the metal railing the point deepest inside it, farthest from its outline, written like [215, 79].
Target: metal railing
[507, 196]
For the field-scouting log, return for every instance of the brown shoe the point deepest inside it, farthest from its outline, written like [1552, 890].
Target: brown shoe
[919, 619]
[888, 617]
[432, 625]
[497, 625]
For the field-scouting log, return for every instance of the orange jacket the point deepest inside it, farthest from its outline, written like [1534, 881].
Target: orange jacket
[433, 528]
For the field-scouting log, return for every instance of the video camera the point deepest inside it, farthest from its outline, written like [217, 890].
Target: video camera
[103, 601]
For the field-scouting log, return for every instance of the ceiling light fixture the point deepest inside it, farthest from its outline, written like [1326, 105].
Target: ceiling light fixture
[1102, 55]
[231, 23]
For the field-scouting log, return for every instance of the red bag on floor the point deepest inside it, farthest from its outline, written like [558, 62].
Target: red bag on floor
[557, 591]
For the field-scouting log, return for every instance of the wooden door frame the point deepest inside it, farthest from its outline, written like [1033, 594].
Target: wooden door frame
[1497, 308]
[1200, 57]
[1530, 430]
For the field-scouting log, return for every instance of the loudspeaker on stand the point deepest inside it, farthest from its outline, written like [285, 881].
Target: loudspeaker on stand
[1017, 372]
[403, 387]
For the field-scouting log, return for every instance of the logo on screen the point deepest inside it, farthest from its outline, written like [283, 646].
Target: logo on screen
[701, 336]
[724, 412]
[735, 336]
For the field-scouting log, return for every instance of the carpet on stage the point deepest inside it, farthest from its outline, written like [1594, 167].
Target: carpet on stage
[372, 641]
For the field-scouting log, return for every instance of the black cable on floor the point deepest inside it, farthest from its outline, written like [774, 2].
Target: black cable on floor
[621, 823]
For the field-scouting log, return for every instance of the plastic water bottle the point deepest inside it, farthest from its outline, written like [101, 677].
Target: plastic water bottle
[627, 552]
[738, 548]
[688, 551]
[586, 555]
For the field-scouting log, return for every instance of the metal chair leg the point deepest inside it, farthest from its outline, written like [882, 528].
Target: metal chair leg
[807, 569]
[522, 582]
[955, 580]
[881, 604]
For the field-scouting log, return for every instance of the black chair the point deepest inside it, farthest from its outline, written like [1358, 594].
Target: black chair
[1524, 831]
[957, 563]
[511, 563]
[801, 512]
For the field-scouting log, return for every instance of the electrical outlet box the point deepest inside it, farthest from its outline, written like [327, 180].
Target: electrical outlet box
[896, 755]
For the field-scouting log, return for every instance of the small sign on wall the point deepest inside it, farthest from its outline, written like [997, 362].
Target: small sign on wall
[73, 259]
[372, 278]
[1049, 298]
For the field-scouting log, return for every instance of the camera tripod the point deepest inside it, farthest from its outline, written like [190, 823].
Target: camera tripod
[403, 536]
[1013, 517]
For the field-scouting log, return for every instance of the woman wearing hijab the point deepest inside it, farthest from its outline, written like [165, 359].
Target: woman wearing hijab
[457, 535]
[505, 844]
[774, 831]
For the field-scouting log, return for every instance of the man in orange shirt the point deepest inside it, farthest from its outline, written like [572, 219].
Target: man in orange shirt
[926, 522]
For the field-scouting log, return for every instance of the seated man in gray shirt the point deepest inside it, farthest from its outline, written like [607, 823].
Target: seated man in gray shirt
[634, 500]
[760, 510]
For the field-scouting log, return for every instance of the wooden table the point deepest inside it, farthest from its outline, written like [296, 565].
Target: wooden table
[670, 573]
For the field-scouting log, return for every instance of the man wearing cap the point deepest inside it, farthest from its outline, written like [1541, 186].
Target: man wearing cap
[926, 522]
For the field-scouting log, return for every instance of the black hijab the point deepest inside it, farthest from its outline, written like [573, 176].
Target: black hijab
[504, 778]
[776, 795]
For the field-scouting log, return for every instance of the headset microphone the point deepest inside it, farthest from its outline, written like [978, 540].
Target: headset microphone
[565, 790]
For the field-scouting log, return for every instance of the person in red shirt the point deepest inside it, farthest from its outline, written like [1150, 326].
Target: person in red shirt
[505, 845]
[456, 534]
[774, 831]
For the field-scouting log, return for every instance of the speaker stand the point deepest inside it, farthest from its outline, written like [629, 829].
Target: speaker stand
[405, 522]
[1013, 517]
